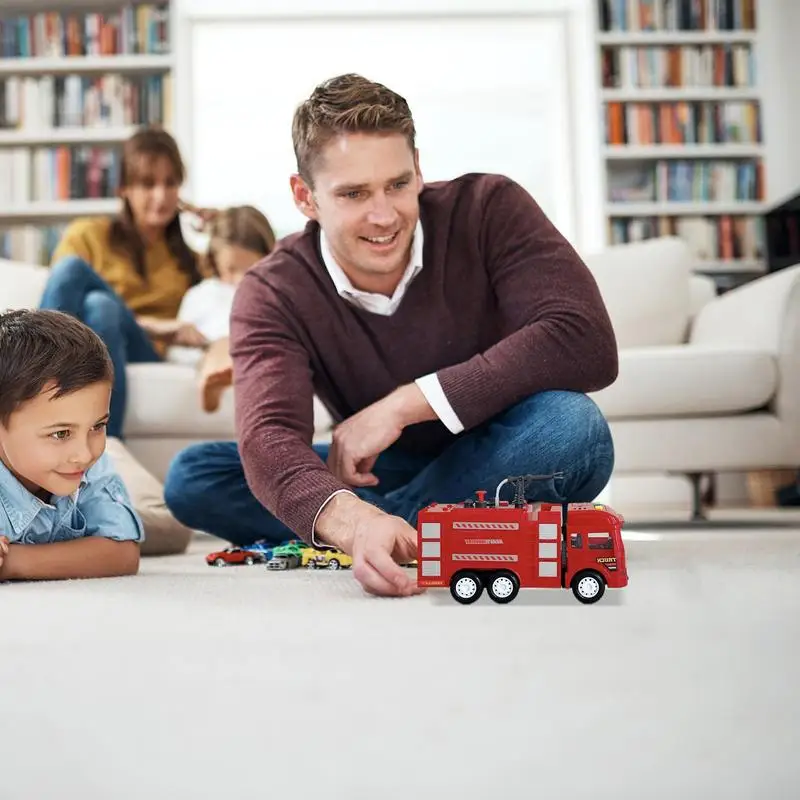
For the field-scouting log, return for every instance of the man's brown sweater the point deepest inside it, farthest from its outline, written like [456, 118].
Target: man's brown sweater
[502, 308]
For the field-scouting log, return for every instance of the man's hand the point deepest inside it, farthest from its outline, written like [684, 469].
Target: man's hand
[358, 441]
[377, 542]
[379, 547]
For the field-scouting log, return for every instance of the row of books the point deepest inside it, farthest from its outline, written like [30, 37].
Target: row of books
[55, 101]
[703, 122]
[686, 181]
[728, 237]
[58, 173]
[30, 244]
[721, 65]
[131, 30]
[677, 15]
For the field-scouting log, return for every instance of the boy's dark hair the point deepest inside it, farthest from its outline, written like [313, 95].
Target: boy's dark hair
[40, 347]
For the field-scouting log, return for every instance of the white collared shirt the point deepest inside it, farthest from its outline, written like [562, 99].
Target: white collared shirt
[380, 304]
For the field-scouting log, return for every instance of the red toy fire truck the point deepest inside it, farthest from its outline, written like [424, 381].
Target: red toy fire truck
[506, 546]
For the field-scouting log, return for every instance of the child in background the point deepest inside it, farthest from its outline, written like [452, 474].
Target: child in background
[239, 238]
[64, 511]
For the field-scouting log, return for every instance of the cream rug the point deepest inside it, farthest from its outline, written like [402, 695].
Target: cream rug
[195, 682]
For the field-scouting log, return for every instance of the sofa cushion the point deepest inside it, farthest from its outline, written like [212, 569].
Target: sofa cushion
[21, 285]
[689, 380]
[646, 288]
[164, 400]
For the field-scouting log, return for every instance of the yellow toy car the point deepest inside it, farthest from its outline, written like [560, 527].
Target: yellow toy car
[330, 559]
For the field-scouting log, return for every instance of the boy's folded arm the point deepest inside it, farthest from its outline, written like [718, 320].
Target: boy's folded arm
[88, 557]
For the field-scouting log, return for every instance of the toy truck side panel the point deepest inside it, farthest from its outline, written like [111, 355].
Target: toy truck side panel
[523, 541]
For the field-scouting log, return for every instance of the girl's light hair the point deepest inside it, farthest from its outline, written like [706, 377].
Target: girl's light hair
[241, 226]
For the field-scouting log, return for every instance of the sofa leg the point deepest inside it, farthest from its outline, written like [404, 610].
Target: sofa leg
[698, 513]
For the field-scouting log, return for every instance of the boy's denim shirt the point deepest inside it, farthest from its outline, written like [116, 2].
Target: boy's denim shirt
[100, 507]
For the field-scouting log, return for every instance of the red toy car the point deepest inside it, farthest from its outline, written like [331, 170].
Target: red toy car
[507, 546]
[234, 555]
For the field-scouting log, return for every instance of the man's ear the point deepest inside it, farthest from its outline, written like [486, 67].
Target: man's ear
[303, 197]
[420, 179]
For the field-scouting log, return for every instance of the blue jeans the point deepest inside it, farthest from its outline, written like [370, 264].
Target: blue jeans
[75, 288]
[550, 432]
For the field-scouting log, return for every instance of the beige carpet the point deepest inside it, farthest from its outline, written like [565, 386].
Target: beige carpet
[196, 682]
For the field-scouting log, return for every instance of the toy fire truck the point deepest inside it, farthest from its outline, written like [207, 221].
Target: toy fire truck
[505, 546]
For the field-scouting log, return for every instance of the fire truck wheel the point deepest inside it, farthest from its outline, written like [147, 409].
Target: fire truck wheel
[588, 586]
[466, 587]
[503, 586]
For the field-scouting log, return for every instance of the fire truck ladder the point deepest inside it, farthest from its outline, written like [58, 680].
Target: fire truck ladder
[520, 483]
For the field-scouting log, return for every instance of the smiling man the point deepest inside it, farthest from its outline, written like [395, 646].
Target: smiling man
[449, 328]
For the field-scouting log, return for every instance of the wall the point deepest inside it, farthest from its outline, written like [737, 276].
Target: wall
[502, 87]
[779, 48]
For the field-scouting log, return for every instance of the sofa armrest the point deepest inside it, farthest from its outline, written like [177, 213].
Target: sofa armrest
[21, 285]
[755, 315]
[762, 315]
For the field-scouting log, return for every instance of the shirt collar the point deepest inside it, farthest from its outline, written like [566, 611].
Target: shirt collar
[22, 506]
[346, 289]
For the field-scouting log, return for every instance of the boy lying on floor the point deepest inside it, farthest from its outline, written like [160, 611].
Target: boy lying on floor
[64, 511]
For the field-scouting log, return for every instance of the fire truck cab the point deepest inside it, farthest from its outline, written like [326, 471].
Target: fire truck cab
[504, 546]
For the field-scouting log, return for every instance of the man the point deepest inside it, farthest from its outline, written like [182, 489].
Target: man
[450, 329]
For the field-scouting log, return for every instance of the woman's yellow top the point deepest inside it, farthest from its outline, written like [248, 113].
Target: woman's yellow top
[159, 295]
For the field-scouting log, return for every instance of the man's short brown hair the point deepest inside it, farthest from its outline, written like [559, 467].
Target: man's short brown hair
[42, 346]
[346, 104]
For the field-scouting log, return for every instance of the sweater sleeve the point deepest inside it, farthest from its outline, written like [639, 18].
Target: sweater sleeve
[274, 410]
[557, 332]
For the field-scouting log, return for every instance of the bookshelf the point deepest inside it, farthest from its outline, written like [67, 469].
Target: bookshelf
[77, 77]
[683, 148]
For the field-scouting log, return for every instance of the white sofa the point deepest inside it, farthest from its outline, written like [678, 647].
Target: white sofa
[707, 384]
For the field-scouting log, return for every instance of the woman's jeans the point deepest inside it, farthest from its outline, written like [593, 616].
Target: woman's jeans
[75, 288]
[555, 432]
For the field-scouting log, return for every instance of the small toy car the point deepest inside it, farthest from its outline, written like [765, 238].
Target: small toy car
[235, 556]
[328, 559]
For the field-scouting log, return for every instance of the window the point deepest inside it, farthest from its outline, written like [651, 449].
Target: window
[575, 540]
[600, 541]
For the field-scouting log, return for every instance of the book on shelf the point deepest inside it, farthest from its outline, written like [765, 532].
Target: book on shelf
[676, 15]
[30, 244]
[677, 181]
[682, 122]
[64, 172]
[38, 103]
[129, 29]
[723, 238]
[727, 65]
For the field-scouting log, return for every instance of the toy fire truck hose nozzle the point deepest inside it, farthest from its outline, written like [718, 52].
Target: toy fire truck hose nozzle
[520, 483]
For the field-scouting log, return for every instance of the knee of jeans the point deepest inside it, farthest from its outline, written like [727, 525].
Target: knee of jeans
[571, 421]
[68, 270]
[102, 312]
[588, 437]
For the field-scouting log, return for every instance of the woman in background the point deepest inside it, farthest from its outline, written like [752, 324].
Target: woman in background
[125, 277]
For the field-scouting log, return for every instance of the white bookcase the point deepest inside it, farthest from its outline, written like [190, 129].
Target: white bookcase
[77, 77]
[682, 120]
